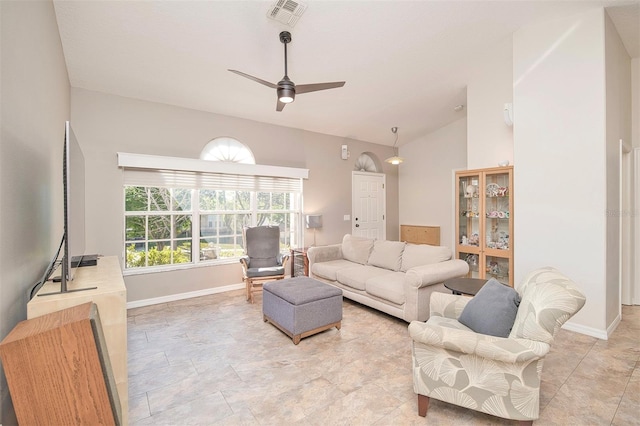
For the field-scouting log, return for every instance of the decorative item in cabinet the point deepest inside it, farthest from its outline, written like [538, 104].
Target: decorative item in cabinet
[484, 222]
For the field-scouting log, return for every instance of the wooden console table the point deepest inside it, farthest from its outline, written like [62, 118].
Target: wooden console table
[417, 234]
[111, 298]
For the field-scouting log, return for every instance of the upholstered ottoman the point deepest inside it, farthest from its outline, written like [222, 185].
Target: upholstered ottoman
[301, 306]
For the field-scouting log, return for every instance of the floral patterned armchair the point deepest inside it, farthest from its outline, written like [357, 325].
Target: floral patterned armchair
[494, 375]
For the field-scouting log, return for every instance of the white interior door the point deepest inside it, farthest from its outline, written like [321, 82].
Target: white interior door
[368, 205]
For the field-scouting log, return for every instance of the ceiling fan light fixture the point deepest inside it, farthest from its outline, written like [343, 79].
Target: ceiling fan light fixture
[286, 98]
[286, 92]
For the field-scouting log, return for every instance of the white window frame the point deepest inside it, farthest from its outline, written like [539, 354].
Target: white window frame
[172, 172]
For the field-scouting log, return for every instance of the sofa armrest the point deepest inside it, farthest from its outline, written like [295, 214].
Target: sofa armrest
[447, 305]
[435, 273]
[468, 342]
[324, 253]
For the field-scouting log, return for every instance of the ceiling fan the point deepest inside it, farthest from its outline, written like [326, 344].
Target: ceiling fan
[287, 89]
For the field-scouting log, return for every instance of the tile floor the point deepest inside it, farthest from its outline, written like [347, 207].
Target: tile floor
[212, 360]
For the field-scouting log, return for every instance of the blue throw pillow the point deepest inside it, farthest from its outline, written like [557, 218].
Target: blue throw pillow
[492, 310]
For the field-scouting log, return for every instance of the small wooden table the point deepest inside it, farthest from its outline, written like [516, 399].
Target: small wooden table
[303, 261]
[468, 286]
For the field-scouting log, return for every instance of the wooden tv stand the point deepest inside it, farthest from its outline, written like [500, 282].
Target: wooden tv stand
[111, 298]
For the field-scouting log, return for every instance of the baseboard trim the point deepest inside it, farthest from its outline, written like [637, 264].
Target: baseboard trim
[613, 325]
[589, 331]
[182, 296]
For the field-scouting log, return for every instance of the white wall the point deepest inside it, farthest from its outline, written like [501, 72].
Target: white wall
[634, 293]
[635, 108]
[106, 124]
[426, 178]
[34, 107]
[618, 127]
[490, 86]
[559, 153]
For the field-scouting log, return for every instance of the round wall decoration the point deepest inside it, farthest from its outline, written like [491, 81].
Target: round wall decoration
[366, 162]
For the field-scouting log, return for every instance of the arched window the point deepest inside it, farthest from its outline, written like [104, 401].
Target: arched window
[190, 213]
[227, 149]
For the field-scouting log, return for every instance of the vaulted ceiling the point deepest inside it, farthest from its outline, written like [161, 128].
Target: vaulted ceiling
[406, 63]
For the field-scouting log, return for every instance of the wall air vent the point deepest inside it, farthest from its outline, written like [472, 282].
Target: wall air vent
[286, 11]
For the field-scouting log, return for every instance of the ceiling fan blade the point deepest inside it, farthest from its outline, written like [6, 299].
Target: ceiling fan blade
[280, 106]
[256, 79]
[306, 88]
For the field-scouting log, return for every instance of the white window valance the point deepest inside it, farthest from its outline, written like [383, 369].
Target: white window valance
[177, 172]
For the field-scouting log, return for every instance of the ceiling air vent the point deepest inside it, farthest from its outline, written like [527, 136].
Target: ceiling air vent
[286, 11]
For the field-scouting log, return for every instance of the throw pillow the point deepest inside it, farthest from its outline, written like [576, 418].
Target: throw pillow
[387, 254]
[356, 249]
[492, 310]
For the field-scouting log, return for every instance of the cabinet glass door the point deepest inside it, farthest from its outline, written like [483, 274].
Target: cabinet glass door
[498, 268]
[469, 208]
[473, 259]
[497, 211]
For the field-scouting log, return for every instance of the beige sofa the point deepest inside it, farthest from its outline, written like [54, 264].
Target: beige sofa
[391, 276]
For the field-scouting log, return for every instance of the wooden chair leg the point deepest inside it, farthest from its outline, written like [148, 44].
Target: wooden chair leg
[423, 405]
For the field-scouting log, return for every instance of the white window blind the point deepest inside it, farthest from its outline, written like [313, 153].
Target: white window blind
[201, 180]
[175, 172]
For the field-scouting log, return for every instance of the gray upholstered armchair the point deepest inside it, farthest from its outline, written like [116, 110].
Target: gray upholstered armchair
[263, 261]
[495, 375]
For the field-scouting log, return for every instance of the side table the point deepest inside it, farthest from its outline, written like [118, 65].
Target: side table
[466, 286]
[299, 262]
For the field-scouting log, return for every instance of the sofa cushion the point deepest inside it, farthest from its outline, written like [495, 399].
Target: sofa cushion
[357, 276]
[327, 270]
[389, 286]
[492, 310]
[356, 249]
[387, 254]
[423, 254]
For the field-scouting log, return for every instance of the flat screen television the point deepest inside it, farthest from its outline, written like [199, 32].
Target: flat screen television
[72, 245]
[74, 216]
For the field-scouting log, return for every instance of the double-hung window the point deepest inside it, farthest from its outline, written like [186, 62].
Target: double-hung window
[180, 218]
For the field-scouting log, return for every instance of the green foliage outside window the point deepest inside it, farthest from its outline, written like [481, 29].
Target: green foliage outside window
[155, 256]
[159, 223]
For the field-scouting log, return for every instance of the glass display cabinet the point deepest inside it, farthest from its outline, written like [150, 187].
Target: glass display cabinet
[484, 222]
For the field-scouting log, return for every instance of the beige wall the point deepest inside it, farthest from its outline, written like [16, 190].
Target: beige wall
[35, 105]
[106, 124]
[559, 148]
[426, 178]
[489, 139]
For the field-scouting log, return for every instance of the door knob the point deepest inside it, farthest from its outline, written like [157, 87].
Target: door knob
[357, 225]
